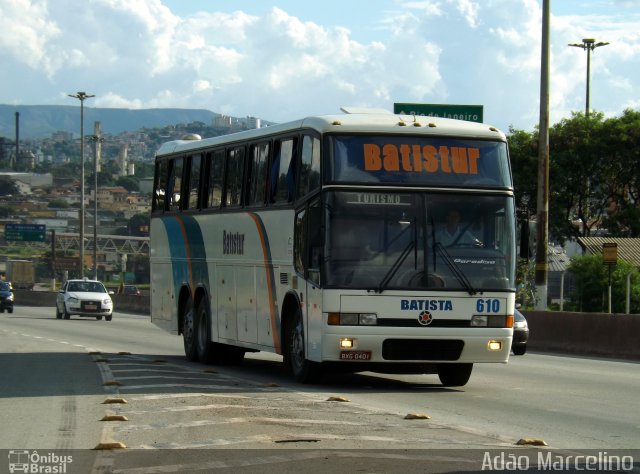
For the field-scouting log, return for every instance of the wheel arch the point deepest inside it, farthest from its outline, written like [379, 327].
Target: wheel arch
[185, 294]
[183, 297]
[290, 304]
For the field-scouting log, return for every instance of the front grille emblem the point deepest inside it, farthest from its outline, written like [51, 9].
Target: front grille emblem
[425, 318]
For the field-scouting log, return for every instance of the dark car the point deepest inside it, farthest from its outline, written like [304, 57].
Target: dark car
[520, 334]
[131, 290]
[6, 297]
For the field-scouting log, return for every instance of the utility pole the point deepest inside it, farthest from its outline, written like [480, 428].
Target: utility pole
[542, 219]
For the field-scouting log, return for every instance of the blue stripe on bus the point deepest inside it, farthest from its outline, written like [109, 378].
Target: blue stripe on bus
[187, 251]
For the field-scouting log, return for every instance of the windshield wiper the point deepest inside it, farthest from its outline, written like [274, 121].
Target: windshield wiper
[394, 268]
[455, 269]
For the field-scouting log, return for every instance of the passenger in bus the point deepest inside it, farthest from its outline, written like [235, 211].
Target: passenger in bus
[453, 233]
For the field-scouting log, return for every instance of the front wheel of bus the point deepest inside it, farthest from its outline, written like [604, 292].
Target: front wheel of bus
[303, 370]
[189, 332]
[454, 375]
[205, 348]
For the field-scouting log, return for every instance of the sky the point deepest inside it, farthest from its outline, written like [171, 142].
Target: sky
[281, 60]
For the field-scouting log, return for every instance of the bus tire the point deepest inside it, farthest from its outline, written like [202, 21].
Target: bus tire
[189, 332]
[302, 369]
[206, 349]
[454, 375]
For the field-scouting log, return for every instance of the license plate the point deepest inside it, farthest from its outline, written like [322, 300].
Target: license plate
[90, 306]
[355, 355]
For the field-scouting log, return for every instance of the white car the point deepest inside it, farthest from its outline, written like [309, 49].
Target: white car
[84, 298]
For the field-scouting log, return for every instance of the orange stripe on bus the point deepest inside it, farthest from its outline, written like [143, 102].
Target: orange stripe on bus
[270, 283]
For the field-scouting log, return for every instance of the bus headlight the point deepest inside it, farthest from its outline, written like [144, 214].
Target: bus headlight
[479, 320]
[491, 321]
[352, 319]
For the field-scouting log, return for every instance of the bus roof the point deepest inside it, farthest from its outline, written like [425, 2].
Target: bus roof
[382, 123]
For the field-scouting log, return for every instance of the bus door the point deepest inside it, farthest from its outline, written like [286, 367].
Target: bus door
[308, 260]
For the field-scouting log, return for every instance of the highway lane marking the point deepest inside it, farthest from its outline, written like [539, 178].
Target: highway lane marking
[168, 377]
[209, 443]
[180, 385]
[164, 396]
[237, 420]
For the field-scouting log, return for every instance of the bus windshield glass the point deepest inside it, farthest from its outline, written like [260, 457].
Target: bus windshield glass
[419, 161]
[419, 240]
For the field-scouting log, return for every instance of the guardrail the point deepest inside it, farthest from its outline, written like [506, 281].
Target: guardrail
[586, 334]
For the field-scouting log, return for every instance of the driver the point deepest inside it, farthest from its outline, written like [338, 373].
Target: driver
[453, 233]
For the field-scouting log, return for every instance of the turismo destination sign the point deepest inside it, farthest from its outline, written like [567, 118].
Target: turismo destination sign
[470, 113]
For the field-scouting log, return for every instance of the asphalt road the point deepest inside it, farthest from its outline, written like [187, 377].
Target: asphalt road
[52, 389]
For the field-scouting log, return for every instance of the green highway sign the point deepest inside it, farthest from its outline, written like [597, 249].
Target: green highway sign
[470, 113]
[25, 232]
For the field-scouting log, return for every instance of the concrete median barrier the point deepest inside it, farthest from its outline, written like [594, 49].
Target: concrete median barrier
[124, 303]
[589, 334]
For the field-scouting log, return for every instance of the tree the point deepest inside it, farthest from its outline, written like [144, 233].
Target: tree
[523, 152]
[577, 189]
[130, 183]
[8, 187]
[58, 204]
[622, 143]
[592, 279]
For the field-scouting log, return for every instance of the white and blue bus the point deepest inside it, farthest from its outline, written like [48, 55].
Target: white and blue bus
[347, 242]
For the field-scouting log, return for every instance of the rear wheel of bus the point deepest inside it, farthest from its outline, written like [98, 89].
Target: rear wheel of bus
[189, 331]
[454, 375]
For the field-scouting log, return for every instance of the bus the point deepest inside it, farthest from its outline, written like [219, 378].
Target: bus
[323, 240]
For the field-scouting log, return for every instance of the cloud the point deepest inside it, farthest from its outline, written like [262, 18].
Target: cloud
[279, 66]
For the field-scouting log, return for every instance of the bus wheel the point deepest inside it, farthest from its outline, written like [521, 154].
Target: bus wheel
[189, 332]
[454, 375]
[206, 350]
[303, 370]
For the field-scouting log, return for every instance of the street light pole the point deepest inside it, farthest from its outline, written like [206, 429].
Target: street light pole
[81, 96]
[588, 44]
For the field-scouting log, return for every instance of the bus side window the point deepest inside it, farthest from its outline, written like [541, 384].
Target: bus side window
[257, 182]
[160, 186]
[213, 177]
[194, 181]
[310, 166]
[176, 184]
[234, 175]
[283, 168]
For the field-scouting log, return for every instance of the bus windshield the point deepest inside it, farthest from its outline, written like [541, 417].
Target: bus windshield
[419, 161]
[419, 240]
